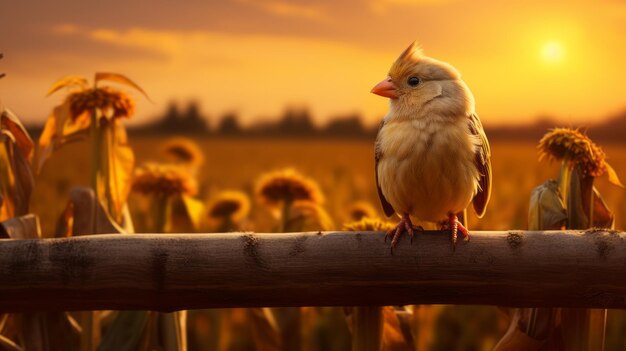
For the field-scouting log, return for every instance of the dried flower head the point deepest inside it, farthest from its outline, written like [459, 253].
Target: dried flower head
[575, 148]
[368, 224]
[183, 150]
[362, 209]
[229, 205]
[163, 180]
[110, 102]
[307, 215]
[287, 186]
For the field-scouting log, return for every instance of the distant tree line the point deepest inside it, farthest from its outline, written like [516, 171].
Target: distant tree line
[296, 122]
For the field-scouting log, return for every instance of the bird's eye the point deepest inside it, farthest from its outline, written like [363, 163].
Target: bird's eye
[413, 81]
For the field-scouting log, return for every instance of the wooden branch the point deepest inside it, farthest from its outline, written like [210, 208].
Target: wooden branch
[188, 271]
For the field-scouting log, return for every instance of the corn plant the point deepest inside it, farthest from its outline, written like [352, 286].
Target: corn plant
[295, 201]
[572, 202]
[95, 113]
[25, 331]
[379, 327]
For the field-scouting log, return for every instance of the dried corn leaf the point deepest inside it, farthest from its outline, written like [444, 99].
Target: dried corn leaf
[24, 227]
[613, 178]
[395, 337]
[307, 216]
[114, 181]
[194, 209]
[577, 201]
[45, 331]
[58, 131]
[264, 329]
[46, 143]
[424, 325]
[546, 210]
[82, 201]
[367, 328]
[12, 123]
[583, 329]
[126, 332]
[68, 81]
[515, 339]
[603, 217]
[7, 178]
[289, 322]
[119, 78]
[7, 344]
[65, 223]
[24, 181]
[185, 214]
[172, 331]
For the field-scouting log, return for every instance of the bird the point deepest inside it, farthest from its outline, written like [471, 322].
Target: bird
[432, 156]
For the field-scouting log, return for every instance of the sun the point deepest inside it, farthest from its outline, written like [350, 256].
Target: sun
[552, 52]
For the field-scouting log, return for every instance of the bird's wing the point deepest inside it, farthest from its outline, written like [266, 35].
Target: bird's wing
[377, 156]
[483, 164]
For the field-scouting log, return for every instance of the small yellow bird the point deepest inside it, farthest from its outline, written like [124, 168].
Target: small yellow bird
[432, 154]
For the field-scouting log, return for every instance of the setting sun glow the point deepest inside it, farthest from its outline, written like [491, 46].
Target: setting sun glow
[552, 52]
[255, 58]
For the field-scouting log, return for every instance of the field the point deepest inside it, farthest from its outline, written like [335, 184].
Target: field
[344, 171]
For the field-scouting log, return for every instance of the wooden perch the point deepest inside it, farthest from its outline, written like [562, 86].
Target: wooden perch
[187, 271]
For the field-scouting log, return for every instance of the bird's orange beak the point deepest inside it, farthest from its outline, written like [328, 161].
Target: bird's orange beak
[386, 88]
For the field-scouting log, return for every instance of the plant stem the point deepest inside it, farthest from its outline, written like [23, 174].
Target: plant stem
[284, 216]
[95, 152]
[86, 337]
[582, 329]
[367, 328]
[162, 212]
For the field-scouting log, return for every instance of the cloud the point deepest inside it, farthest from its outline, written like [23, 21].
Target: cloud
[65, 28]
[254, 74]
[289, 9]
[382, 6]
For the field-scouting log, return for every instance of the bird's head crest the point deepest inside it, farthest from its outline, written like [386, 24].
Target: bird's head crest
[411, 53]
[406, 60]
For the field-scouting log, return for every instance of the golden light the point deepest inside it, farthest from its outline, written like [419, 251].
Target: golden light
[552, 52]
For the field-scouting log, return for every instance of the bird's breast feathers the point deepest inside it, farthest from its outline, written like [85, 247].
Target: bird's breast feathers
[427, 166]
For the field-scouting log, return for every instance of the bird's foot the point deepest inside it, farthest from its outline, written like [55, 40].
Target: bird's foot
[405, 225]
[455, 226]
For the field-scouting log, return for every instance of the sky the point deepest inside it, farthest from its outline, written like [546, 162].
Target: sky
[523, 60]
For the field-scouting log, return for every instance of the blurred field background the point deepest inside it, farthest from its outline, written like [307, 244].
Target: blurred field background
[344, 171]
[531, 66]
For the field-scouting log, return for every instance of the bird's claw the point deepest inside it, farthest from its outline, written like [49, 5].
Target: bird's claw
[455, 226]
[405, 225]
